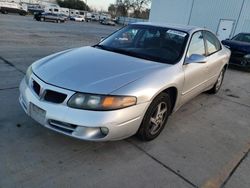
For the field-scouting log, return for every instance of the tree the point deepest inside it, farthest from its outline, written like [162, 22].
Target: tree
[145, 14]
[122, 7]
[112, 10]
[138, 6]
[73, 4]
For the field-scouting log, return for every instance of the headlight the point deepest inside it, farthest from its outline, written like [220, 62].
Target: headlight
[100, 102]
[28, 74]
[247, 56]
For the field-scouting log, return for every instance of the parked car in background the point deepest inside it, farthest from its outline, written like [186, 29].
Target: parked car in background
[88, 16]
[64, 17]
[7, 7]
[107, 22]
[71, 18]
[104, 16]
[127, 84]
[240, 48]
[95, 16]
[78, 18]
[50, 17]
[34, 9]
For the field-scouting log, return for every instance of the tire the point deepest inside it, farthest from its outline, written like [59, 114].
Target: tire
[58, 21]
[42, 19]
[155, 117]
[218, 83]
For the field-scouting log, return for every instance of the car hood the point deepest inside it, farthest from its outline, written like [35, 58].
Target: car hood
[237, 45]
[92, 70]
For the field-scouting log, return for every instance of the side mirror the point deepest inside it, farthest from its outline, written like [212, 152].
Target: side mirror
[195, 58]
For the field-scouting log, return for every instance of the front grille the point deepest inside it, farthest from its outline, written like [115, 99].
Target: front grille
[62, 126]
[48, 95]
[237, 57]
[238, 54]
[36, 87]
[53, 96]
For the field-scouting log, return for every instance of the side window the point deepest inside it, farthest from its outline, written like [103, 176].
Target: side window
[213, 44]
[196, 45]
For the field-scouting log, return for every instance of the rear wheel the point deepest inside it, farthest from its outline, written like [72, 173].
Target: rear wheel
[42, 19]
[218, 83]
[58, 21]
[155, 117]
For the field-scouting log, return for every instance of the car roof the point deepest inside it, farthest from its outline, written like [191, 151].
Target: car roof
[186, 28]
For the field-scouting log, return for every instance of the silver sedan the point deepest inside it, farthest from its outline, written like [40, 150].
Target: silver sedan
[127, 84]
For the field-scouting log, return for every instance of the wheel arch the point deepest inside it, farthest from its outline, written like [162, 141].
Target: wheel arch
[173, 92]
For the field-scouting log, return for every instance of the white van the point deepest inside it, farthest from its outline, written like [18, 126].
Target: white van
[6, 7]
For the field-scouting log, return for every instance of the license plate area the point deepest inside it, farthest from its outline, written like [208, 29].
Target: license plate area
[37, 113]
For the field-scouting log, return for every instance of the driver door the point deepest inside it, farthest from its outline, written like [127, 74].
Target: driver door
[194, 73]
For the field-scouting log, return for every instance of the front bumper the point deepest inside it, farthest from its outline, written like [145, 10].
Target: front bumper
[237, 59]
[82, 124]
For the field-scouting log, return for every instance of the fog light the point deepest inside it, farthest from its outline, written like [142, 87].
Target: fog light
[104, 130]
[247, 56]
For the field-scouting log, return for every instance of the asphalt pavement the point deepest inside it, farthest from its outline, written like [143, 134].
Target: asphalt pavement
[205, 144]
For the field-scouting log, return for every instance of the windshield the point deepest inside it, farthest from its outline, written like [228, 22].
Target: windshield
[243, 37]
[148, 42]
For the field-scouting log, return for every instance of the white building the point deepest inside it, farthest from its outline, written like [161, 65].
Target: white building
[225, 17]
[32, 1]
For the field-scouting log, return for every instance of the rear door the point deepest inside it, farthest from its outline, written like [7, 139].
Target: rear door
[54, 17]
[50, 16]
[215, 58]
[47, 16]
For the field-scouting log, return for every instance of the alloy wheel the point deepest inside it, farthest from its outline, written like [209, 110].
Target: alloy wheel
[158, 118]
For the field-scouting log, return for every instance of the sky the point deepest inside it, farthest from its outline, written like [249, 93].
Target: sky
[99, 4]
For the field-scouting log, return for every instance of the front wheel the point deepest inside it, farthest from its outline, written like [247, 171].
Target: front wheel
[42, 19]
[155, 117]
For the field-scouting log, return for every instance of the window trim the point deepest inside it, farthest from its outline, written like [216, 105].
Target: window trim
[189, 43]
[206, 46]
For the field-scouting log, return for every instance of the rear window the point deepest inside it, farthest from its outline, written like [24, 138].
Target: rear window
[213, 44]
